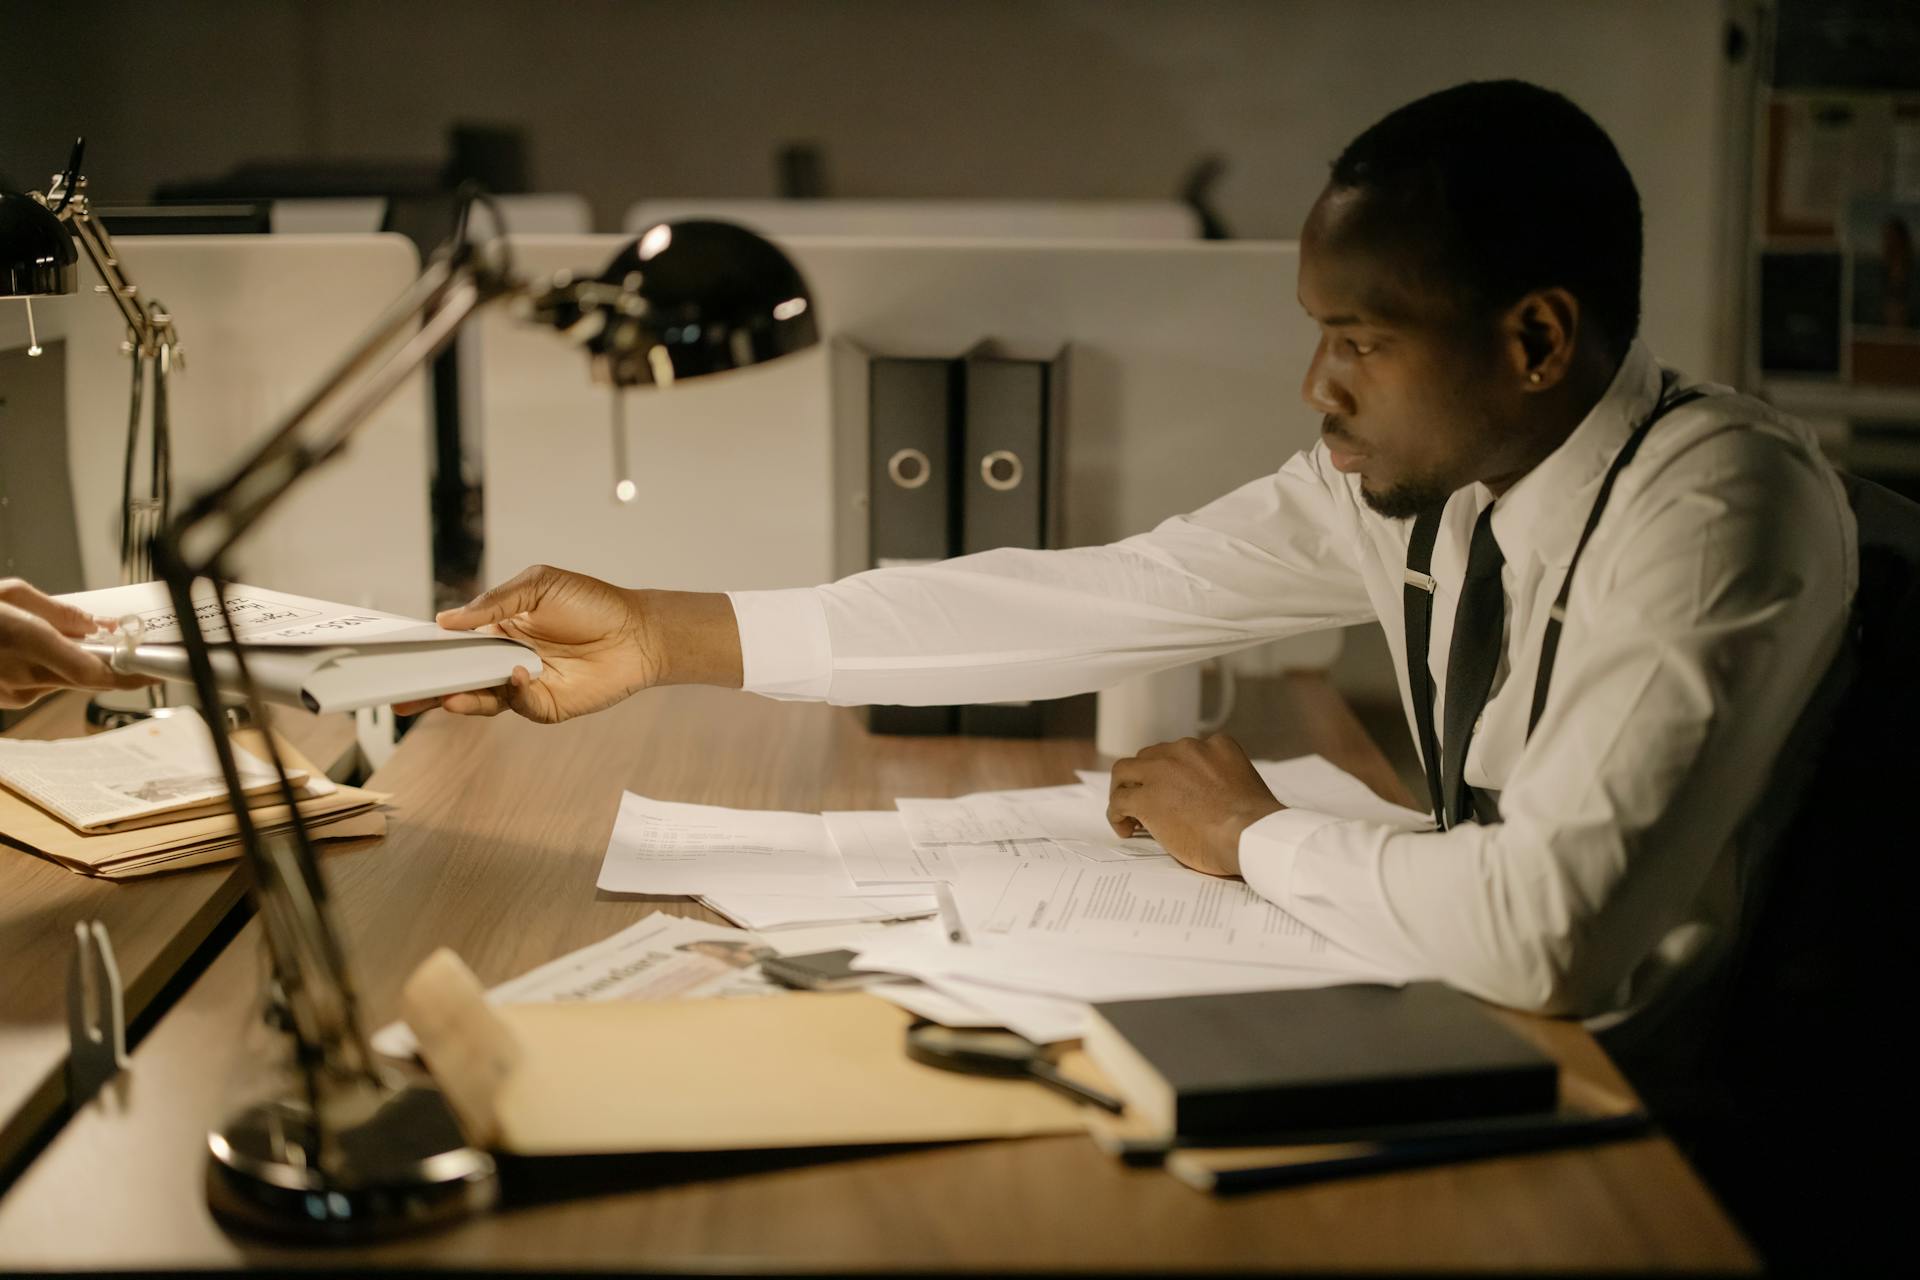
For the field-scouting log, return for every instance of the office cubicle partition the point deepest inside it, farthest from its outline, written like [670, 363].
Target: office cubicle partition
[260, 320]
[951, 219]
[1184, 382]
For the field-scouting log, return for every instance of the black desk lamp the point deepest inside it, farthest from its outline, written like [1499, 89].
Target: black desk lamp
[38, 260]
[356, 1150]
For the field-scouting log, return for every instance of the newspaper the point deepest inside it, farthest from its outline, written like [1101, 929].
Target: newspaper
[664, 957]
[163, 767]
[145, 613]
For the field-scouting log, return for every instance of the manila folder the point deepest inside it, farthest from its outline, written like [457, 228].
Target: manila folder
[800, 1070]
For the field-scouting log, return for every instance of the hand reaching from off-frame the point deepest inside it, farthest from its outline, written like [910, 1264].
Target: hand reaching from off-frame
[37, 649]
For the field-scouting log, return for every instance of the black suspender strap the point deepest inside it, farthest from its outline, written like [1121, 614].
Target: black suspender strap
[1418, 601]
[1418, 606]
[1556, 616]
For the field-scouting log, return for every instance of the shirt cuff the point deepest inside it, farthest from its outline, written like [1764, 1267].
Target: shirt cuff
[1269, 847]
[784, 650]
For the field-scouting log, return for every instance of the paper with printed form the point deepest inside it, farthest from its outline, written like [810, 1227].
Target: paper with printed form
[1147, 909]
[976, 819]
[794, 911]
[1074, 814]
[1309, 782]
[659, 846]
[300, 651]
[877, 850]
[1088, 973]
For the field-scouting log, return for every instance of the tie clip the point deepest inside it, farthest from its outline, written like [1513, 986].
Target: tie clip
[1414, 578]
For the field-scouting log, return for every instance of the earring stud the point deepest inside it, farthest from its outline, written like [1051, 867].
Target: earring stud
[1534, 377]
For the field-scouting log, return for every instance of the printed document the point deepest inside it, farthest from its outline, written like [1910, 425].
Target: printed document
[663, 957]
[877, 850]
[1308, 782]
[659, 846]
[794, 911]
[159, 768]
[300, 651]
[260, 617]
[1148, 909]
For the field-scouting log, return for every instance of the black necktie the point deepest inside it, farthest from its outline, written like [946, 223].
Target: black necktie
[1479, 626]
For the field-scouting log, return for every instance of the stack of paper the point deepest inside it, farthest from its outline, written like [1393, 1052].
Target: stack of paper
[300, 651]
[1053, 910]
[150, 798]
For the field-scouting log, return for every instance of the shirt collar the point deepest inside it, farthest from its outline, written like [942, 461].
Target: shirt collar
[1544, 511]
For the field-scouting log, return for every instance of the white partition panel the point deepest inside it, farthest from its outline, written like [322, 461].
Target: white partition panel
[1183, 382]
[965, 219]
[260, 320]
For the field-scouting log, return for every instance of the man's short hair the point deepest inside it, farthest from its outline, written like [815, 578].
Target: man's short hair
[1507, 187]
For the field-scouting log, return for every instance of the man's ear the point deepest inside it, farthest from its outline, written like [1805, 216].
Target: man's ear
[1539, 332]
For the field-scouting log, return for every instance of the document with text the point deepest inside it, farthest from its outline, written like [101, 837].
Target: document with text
[659, 846]
[1151, 909]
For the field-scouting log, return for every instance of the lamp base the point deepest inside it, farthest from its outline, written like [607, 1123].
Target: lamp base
[118, 708]
[403, 1168]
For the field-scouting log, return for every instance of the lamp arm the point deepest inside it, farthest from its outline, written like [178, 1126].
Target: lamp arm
[439, 302]
[150, 326]
[309, 966]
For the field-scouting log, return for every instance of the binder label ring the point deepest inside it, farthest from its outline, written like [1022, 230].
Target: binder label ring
[1001, 470]
[909, 468]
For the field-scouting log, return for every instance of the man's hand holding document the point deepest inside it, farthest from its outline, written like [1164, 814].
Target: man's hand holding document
[300, 651]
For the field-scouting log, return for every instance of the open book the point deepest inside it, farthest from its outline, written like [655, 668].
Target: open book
[303, 652]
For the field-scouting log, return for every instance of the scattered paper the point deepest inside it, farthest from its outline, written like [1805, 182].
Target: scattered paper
[1308, 782]
[1042, 1019]
[662, 847]
[876, 849]
[260, 617]
[1092, 974]
[975, 819]
[852, 936]
[159, 767]
[787, 911]
[1149, 908]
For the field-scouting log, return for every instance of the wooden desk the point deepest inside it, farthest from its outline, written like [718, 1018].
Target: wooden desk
[155, 925]
[494, 852]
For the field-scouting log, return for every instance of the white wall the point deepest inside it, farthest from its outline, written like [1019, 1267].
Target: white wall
[627, 99]
[630, 99]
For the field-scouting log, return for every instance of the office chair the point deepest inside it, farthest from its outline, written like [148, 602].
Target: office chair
[1803, 1108]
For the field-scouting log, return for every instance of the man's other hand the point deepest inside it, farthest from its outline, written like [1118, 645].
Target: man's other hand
[37, 649]
[1195, 797]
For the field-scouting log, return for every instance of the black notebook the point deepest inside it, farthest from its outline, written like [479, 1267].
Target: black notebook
[1332, 1059]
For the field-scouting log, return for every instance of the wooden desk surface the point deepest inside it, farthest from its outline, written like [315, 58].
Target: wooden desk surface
[494, 852]
[155, 925]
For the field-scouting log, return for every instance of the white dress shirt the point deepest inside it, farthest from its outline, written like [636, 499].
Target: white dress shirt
[1709, 602]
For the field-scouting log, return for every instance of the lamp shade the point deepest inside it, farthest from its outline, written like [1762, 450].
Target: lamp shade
[684, 300]
[37, 258]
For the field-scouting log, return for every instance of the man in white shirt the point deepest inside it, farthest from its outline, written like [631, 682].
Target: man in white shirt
[1474, 267]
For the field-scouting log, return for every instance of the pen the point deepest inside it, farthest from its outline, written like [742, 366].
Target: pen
[949, 913]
